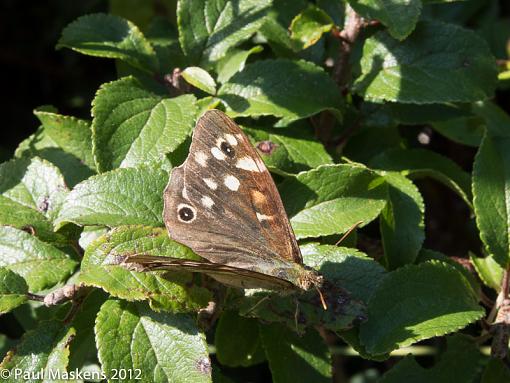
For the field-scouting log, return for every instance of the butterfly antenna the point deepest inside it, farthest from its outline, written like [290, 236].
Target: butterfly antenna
[323, 301]
[353, 227]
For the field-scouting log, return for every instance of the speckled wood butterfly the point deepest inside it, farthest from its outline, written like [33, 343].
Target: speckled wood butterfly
[222, 203]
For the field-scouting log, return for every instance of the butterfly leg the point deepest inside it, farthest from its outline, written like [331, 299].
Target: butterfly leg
[296, 314]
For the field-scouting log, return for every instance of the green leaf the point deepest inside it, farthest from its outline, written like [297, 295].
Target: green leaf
[489, 271]
[13, 290]
[416, 114]
[133, 125]
[41, 145]
[401, 222]
[170, 291]
[341, 267]
[332, 198]
[31, 195]
[464, 130]
[234, 62]
[462, 352]
[282, 88]
[200, 79]
[419, 163]
[40, 264]
[496, 372]
[44, 349]
[428, 66]
[295, 148]
[120, 197]
[430, 255]
[71, 134]
[237, 341]
[410, 305]
[309, 26]
[285, 351]
[163, 347]
[399, 16]
[208, 29]
[491, 196]
[110, 36]
[357, 273]
[275, 29]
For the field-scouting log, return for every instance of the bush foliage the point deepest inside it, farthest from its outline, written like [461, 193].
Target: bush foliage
[336, 86]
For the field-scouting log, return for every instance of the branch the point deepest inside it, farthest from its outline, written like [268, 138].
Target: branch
[501, 326]
[341, 69]
[59, 296]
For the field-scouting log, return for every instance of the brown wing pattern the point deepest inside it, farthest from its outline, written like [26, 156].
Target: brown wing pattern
[232, 276]
[238, 216]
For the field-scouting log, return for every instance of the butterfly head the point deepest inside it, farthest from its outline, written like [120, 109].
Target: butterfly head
[309, 279]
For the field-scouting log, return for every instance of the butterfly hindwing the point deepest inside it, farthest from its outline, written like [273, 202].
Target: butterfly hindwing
[223, 203]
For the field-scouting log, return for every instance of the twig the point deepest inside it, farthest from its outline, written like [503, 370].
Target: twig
[500, 327]
[341, 69]
[60, 295]
[352, 28]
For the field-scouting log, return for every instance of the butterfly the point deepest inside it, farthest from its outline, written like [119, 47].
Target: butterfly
[223, 204]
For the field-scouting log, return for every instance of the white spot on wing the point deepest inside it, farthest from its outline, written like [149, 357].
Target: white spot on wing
[217, 153]
[231, 182]
[263, 217]
[185, 193]
[231, 139]
[247, 163]
[201, 158]
[207, 202]
[211, 183]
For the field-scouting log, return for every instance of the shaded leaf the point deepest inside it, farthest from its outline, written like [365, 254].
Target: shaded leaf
[237, 341]
[462, 352]
[13, 290]
[40, 264]
[285, 350]
[428, 66]
[119, 197]
[332, 198]
[410, 304]
[281, 88]
[402, 221]
[160, 347]
[496, 372]
[111, 36]
[491, 195]
[133, 125]
[419, 163]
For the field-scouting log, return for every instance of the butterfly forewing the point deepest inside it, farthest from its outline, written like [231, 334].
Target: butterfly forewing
[223, 203]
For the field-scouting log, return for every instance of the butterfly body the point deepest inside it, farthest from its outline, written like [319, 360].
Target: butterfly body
[222, 203]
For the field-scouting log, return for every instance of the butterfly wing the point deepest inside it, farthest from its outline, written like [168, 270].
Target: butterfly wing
[223, 203]
[228, 275]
